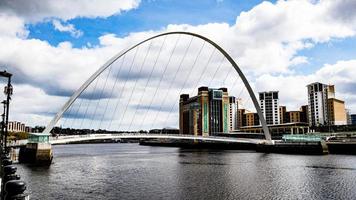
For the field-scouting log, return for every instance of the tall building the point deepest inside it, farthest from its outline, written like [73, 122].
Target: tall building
[205, 114]
[317, 104]
[323, 107]
[337, 112]
[233, 114]
[269, 103]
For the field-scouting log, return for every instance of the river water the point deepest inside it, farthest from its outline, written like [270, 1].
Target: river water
[131, 171]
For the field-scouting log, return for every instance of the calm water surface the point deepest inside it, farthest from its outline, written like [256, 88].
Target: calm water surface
[131, 171]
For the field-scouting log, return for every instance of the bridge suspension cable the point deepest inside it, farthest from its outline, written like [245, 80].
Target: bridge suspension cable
[109, 96]
[112, 89]
[174, 78]
[171, 110]
[134, 88]
[149, 78]
[188, 75]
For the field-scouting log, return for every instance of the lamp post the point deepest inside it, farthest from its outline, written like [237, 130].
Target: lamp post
[3, 123]
[8, 92]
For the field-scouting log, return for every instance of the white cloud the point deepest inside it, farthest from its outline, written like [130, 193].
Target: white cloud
[38, 10]
[265, 42]
[12, 26]
[67, 28]
[31, 104]
[293, 91]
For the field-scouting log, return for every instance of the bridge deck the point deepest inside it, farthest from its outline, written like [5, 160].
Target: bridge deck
[79, 138]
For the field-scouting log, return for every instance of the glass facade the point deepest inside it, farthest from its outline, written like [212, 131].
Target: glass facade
[205, 114]
[38, 138]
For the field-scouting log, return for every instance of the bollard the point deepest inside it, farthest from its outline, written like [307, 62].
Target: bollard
[15, 190]
[11, 177]
[5, 156]
[8, 173]
[6, 162]
[9, 169]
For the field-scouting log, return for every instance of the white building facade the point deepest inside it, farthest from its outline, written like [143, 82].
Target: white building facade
[318, 103]
[233, 112]
[269, 103]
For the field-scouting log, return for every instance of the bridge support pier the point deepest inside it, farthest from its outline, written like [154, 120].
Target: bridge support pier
[37, 151]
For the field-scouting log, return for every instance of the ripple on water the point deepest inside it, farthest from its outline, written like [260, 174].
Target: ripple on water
[130, 171]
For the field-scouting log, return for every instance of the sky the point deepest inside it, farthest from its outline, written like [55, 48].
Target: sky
[53, 47]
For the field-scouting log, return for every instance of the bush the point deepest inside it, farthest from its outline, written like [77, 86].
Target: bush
[18, 135]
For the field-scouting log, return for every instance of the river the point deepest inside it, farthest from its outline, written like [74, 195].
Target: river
[131, 171]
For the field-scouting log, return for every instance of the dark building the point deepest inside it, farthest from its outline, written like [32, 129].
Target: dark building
[282, 114]
[241, 120]
[353, 119]
[304, 114]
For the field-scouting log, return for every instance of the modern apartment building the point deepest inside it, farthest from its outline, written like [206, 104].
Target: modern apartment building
[251, 119]
[247, 118]
[323, 107]
[293, 116]
[318, 103]
[269, 103]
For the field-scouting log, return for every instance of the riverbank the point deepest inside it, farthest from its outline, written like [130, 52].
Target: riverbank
[306, 148]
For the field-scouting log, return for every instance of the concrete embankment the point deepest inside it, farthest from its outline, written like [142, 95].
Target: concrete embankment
[308, 148]
[197, 144]
[342, 147]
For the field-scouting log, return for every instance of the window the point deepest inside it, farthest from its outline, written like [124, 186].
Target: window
[275, 95]
[262, 96]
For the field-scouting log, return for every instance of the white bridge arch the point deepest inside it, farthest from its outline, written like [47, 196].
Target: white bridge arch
[72, 99]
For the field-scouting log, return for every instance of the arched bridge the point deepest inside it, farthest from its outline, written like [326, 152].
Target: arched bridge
[97, 107]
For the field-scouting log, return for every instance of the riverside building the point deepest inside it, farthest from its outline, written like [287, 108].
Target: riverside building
[269, 103]
[14, 126]
[318, 104]
[337, 112]
[206, 114]
[300, 115]
[233, 107]
[323, 107]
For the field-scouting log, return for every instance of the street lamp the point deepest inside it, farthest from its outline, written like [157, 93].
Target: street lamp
[8, 90]
[3, 122]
